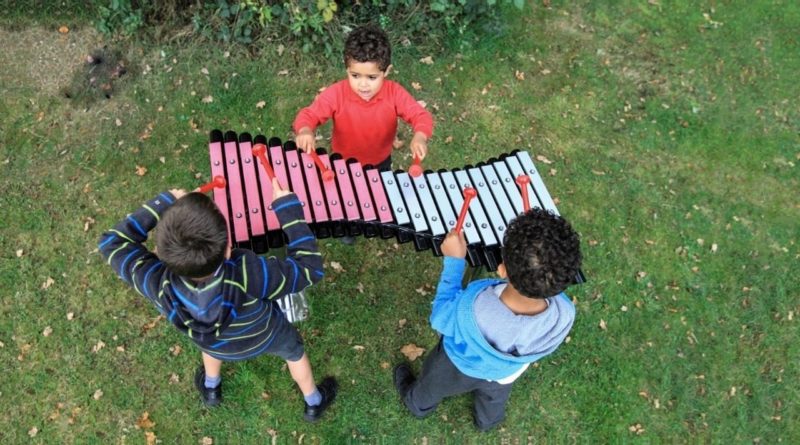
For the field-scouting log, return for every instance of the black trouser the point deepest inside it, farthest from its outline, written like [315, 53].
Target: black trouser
[440, 379]
[386, 164]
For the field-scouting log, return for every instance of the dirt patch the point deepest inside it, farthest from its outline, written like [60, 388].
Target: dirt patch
[42, 58]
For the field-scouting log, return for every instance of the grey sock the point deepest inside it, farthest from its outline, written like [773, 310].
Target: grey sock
[213, 382]
[313, 399]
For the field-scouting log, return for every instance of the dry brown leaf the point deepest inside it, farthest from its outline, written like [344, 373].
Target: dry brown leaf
[422, 103]
[63, 29]
[208, 99]
[141, 170]
[402, 322]
[145, 422]
[118, 122]
[416, 86]
[520, 75]
[552, 172]
[88, 223]
[283, 72]
[206, 441]
[358, 348]
[33, 432]
[20, 252]
[543, 159]
[97, 394]
[412, 351]
[385, 365]
[162, 159]
[592, 242]
[602, 324]
[714, 248]
[70, 316]
[150, 437]
[427, 60]
[598, 172]
[173, 379]
[448, 139]
[175, 350]
[100, 345]
[336, 266]
[152, 324]
[261, 104]
[47, 283]
[47, 331]
[422, 291]
[360, 288]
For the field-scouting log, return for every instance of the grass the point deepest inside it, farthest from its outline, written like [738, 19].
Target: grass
[674, 146]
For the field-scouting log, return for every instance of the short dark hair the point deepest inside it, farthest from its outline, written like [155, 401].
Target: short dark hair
[192, 236]
[368, 44]
[541, 253]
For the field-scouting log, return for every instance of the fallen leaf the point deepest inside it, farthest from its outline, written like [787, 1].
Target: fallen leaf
[714, 248]
[47, 283]
[100, 345]
[175, 350]
[141, 170]
[519, 75]
[416, 86]
[173, 379]
[261, 104]
[162, 159]
[47, 331]
[553, 172]
[545, 72]
[402, 322]
[20, 252]
[336, 266]
[412, 351]
[204, 71]
[208, 99]
[602, 324]
[427, 60]
[120, 348]
[422, 291]
[150, 437]
[118, 122]
[385, 365]
[598, 172]
[63, 29]
[144, 421]
[358, 348]
[422, 103]
[70, 316]
[97, 394]
[88, 222]
[33, 432]
[448, 139]
[283, 72]
[543, 159]
[206, 441]
[360, 288]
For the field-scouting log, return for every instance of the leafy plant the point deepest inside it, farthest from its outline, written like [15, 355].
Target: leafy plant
[119, 16]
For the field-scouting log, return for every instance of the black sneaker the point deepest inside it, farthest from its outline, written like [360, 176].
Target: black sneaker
[328, 389]
[403, 379]
[211, 396]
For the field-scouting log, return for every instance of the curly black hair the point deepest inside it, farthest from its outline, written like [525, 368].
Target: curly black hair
[541, 253]
[192, 236]
[368, 44]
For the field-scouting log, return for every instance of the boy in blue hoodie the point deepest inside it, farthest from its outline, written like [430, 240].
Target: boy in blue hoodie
[493, 329]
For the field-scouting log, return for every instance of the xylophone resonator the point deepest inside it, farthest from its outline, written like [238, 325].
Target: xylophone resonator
[360, 200]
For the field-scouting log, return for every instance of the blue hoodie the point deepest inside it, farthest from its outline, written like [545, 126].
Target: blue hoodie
[453, 317]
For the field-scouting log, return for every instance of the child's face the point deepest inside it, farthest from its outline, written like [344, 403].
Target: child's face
[366, 78]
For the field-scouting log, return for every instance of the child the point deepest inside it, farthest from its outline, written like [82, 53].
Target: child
[492, 330]
[223, 299]
[365, 106]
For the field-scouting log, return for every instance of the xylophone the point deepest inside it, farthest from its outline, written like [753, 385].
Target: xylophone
[355, 199]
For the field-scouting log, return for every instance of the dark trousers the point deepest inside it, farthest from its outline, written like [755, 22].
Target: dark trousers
[440, 379]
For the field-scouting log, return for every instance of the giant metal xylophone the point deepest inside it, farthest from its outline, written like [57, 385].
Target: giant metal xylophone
[341, 197]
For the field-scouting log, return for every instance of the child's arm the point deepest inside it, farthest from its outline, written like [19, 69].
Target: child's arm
[124, 250]
[418, 117]
[303, 264]
[454, 250]
[312, 116]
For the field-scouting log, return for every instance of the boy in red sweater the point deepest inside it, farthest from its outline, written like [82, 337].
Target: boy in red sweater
[365, 106]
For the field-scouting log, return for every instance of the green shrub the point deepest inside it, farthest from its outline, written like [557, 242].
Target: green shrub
[311, 25]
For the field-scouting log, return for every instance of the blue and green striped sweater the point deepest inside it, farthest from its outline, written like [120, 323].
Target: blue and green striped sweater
[230, 315]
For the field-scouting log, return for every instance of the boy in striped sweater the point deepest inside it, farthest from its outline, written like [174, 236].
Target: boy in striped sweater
[223, 299]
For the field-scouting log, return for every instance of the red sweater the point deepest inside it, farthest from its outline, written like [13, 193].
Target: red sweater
[364, 130]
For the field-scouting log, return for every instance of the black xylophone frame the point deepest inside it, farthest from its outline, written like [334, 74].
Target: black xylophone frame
[342, 207]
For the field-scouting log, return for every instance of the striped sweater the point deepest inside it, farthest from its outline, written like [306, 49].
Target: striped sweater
[230, 315]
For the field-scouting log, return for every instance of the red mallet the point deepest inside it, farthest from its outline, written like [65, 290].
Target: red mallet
[415, 169]
[469, 193]
[327, 174]
[523, 181]
[218, 182]
[259, 151]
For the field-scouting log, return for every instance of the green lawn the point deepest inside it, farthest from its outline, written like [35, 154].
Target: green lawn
[672, 134]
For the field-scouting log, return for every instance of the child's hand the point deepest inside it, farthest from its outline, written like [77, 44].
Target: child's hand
[419, 145]
[454, 245]
[277, 191]
[178, 193]
[305, 140]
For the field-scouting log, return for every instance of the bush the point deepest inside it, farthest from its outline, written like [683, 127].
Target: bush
[311, 25]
